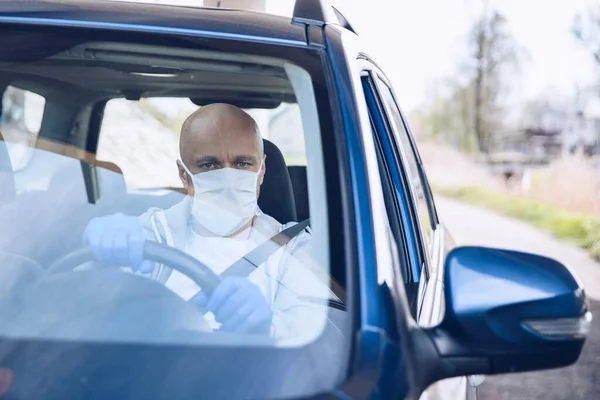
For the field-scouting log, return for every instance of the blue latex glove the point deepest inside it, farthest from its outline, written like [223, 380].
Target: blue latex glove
[118, 239]
[239, 306]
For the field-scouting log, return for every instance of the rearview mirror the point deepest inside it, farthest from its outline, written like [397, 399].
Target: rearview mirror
[507, 311]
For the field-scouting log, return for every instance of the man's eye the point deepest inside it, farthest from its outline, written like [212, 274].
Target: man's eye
[242, 164]
[208, 166]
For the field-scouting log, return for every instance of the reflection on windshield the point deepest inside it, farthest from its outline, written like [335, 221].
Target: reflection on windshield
[63, 188]
[20, 122]
[140, 238]
[53, 203]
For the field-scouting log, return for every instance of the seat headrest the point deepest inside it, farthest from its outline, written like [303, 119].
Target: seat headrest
[300, 185]
[276, 194]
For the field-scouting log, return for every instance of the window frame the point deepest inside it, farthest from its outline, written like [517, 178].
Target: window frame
[383, 84]
[388, 177]
[390, 182]
[428, 313]
[427, 187]
[404, 219]
[409, 213]
[341, 216]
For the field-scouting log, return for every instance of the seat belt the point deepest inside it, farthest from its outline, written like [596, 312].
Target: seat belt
[252, 260]
[248, 263]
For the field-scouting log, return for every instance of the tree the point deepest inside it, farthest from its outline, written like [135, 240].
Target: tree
[586, 28]
[447, 116]
[492, 48]
[466, 110]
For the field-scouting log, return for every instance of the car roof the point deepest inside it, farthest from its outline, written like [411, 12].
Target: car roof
[117, 15]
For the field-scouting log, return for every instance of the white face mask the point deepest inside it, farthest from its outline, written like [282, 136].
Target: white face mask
[224, 199]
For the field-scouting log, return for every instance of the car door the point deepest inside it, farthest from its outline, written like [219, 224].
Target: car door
[400, 215]
[410, 204]
[428, 238]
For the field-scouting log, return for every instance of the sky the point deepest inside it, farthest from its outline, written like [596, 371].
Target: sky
[420, 42]
[429, 39]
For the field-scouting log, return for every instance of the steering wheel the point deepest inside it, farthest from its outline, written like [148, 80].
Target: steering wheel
[198, 272]
[101, 304]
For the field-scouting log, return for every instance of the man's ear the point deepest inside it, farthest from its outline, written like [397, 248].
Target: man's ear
[263, 170]
[183, 175]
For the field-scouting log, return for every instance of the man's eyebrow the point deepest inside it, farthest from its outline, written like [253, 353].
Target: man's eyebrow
[246, 158]
[206, 159]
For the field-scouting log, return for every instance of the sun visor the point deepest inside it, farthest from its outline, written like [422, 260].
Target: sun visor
[245, 100]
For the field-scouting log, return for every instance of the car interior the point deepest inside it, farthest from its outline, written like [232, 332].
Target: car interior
[76, 84]
[77, 78]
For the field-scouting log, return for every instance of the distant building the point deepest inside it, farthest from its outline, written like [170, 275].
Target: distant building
[581, 132]
[534, 142]
[549, 131]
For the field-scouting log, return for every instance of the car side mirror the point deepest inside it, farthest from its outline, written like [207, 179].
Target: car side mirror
[507, 311]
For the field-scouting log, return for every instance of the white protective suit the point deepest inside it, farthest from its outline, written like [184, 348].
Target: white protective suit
[287, 278]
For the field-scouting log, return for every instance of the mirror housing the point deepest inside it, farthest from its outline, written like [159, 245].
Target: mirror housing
[506, 311]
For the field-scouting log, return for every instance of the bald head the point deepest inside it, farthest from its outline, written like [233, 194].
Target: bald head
[220, 136]
[222, 122]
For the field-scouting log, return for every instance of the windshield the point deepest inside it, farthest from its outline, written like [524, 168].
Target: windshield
[164, 205]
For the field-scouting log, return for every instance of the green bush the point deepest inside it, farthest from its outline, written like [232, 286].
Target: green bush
[582, 229]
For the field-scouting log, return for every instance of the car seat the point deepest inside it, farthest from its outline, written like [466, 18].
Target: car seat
[276, 196]
[300, 185]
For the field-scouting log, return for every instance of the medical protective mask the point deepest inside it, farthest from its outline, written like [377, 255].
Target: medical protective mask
[224, 199]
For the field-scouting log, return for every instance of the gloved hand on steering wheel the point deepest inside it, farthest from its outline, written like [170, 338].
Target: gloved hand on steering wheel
[118, 239]
[239, 306]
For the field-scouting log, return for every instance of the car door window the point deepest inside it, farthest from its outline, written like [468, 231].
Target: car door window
[417, 182]
[402, 221]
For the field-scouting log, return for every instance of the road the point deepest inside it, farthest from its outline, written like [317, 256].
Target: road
[474, 226]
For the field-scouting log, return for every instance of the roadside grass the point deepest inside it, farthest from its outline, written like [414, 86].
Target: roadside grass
[571, 183]
[581, 229]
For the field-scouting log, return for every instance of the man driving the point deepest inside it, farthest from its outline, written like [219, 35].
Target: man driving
[222, 166]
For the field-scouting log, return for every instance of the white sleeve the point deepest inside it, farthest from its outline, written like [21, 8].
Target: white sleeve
[301, 300]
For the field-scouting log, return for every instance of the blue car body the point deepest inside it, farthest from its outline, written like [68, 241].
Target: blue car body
[384, 361]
